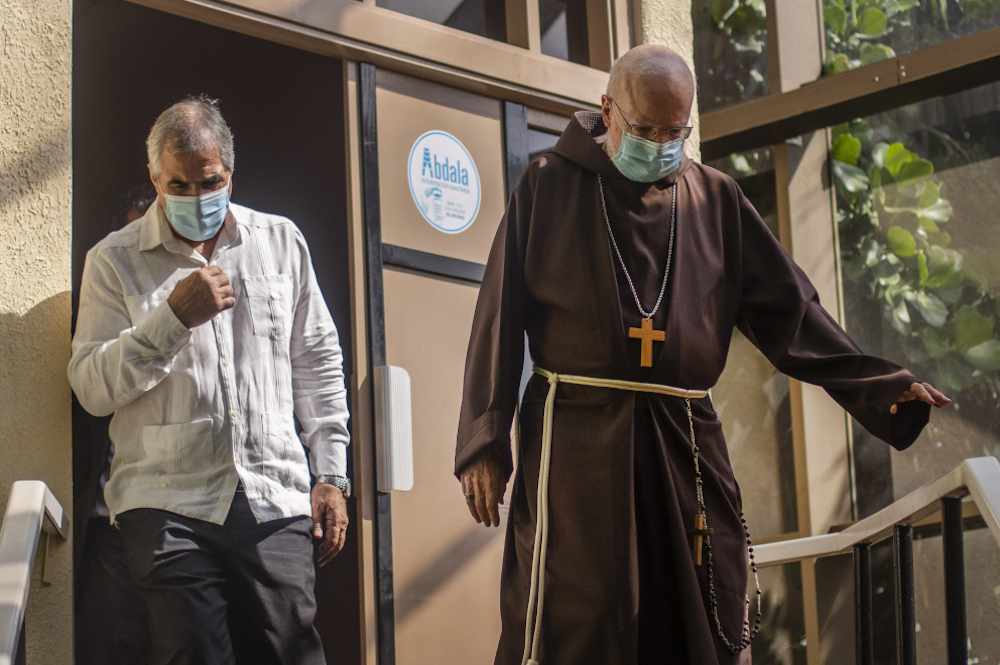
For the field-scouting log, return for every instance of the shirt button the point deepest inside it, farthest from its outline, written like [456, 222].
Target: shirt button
[260, 226]
[233, 414]
[173, 447]
[274, 296]
[226, 363]
[164, 486]
[288, 440]
[290, 489]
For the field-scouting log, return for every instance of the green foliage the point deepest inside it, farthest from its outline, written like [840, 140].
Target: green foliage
[862, 32]
[891, 210]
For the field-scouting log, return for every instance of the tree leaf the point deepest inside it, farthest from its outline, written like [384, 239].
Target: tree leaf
[721, 9]
[985, 356]
[932, 192]
[940, 211]
[846, 149]
[934, 311]
[928, 225]
[850, 177]
[835, 17]
[971, 328]
[872, 22]
[878, 154]
[895, 156]
[838, 65]
[917, 168]
[937, 348]
[872, 53]
[906, 5]
[922, 267]
[942, 239]
[901, 241]
[740, 163]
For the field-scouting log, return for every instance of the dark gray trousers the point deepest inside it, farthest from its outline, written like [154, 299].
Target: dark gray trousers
[240, 592]
[110, 615]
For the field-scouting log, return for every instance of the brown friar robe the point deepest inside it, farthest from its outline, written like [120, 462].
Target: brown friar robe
[621, 586]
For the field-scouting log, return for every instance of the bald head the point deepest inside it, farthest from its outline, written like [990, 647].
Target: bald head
[651, 70]
[650, 86]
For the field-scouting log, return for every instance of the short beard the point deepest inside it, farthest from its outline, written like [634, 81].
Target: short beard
[608, 150]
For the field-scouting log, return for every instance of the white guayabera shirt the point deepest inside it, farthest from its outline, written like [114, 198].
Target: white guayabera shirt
[198, 410]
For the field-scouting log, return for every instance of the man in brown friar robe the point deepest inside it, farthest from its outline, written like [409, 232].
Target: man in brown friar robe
[613, 576]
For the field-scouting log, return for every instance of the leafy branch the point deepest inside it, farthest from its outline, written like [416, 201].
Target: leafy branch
[891, 210]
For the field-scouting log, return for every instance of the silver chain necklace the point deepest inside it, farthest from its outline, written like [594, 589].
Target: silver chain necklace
[670, 249]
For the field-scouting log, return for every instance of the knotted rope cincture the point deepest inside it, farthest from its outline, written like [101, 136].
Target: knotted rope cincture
[536, 594]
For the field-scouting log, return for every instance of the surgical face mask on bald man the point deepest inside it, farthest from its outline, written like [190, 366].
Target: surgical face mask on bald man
[198, 218]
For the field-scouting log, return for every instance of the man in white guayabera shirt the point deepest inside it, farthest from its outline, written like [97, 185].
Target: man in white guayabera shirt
[202, 328]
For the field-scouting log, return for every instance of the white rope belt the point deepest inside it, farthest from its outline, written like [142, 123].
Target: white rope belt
[536, 595]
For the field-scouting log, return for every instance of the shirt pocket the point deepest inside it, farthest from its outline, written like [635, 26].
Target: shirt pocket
[141, 306]
[182, 455]
[285, 459]
[270, 301]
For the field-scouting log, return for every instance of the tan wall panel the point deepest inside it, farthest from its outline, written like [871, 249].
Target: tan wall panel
[446, 567]
[35, 282]
[406, 109]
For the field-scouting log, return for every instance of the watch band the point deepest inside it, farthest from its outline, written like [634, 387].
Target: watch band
[340, 482]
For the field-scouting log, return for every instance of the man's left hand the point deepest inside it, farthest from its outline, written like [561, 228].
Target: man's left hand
[329, 508]
[924, 392]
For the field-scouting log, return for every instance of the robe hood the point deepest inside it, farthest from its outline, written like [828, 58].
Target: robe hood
[582, 143]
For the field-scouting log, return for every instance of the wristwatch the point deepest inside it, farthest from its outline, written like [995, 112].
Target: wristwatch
[340, 482]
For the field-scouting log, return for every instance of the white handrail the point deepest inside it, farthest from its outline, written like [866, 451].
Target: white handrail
[978, 477]
[31, 510]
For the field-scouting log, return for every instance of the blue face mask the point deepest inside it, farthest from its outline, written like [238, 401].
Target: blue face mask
[198, 218]
[643, 160]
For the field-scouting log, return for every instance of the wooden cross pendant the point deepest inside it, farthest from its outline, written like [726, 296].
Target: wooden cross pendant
[698, 533]
[648, 335]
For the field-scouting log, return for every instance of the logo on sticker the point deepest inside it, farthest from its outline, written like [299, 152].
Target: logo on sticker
[444, 182]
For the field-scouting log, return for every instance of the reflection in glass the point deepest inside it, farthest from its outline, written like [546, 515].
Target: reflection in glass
[539, 142]
[752, 397]
[917, 205]
[860, 33]
[486, 18]
[730, 51]
[782, 637]
[917, 202]
[982, 592]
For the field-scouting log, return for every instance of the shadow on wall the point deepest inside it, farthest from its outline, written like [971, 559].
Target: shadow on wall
[34, 389]
[37, 165]
[437, 573]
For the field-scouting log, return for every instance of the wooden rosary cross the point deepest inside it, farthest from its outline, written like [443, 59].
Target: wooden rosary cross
[698, 534]
[648, 335]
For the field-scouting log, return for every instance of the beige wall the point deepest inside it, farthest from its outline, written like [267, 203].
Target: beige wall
[35, 232]
[668, 22]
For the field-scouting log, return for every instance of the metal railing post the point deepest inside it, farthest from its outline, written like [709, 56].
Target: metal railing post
[864, 626]
[906, 619]
[954, 581]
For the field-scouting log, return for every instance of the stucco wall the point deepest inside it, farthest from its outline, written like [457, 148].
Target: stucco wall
[35, 230]
[668, 22]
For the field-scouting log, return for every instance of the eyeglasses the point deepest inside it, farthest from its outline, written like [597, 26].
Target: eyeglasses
[650, 133]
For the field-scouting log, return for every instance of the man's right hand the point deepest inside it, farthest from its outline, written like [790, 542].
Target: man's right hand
[201, 295]
[484, 481]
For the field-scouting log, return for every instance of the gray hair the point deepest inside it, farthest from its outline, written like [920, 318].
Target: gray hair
[190, 125]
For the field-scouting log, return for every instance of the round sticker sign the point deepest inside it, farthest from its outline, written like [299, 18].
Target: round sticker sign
[444, 182]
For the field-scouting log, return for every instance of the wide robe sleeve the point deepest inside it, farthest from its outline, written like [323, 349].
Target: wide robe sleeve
[496, 348]
[781, 314]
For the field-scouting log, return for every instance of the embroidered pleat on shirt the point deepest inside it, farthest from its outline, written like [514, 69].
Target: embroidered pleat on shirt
[197, 411]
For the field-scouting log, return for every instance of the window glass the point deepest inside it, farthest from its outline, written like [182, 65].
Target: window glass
[486, 18]
[782, 636]
[539, 142]
[730, 51]
[917, 202]
[917, 205]
[552, 21]
[752, 397]
[860, 33]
